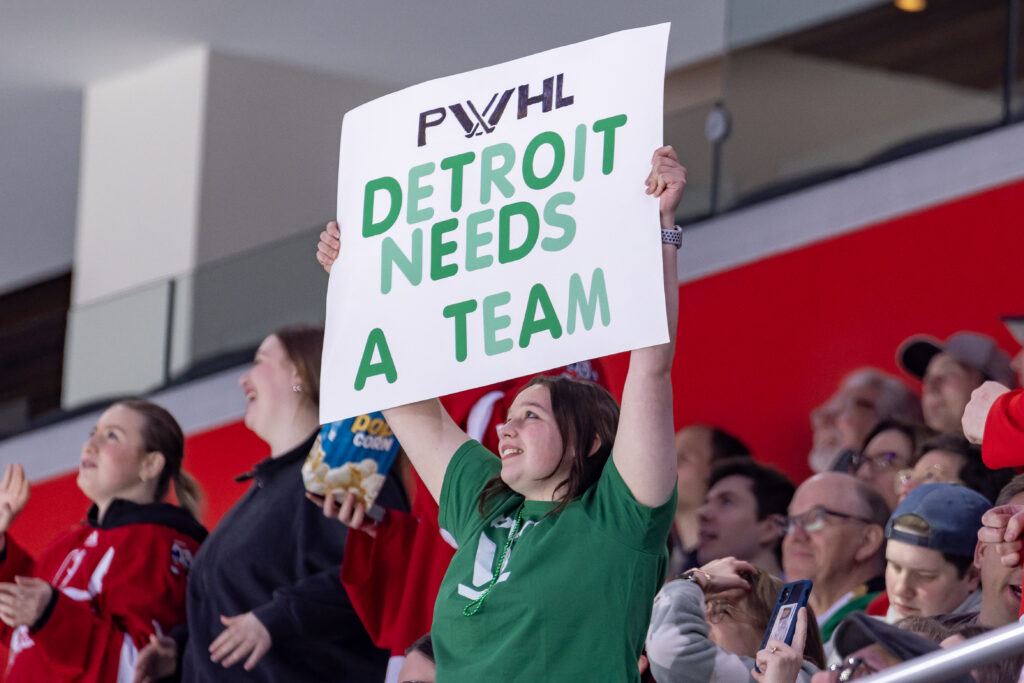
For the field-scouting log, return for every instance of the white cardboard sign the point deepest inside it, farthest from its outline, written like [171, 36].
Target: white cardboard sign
[494, 224]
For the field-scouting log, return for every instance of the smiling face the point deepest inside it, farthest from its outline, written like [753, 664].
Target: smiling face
[921, 582]
[113, 463]
[1000, 586]
[530, 446]
[268, 387]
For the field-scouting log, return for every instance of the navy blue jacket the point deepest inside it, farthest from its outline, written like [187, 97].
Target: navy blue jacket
[275, 554]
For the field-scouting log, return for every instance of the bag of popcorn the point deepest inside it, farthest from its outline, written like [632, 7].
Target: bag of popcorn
[351, 456]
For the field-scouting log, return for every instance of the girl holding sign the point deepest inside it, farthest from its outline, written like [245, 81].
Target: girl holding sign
[561, 540]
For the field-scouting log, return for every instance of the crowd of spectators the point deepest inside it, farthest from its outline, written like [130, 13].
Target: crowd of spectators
[887, 531]
[629, 555]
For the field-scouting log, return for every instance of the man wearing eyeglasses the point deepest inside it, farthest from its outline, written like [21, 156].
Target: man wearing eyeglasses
[835, 537]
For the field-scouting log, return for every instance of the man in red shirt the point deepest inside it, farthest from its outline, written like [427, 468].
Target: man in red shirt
[995, 419]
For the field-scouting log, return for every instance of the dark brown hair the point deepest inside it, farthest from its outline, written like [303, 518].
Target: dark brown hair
[162, 433]
[926, 627]
[584, 412]
[772, 490]
[915, 433]
[1014, 487]
[973, 473]
[304, 345]
[424, 645]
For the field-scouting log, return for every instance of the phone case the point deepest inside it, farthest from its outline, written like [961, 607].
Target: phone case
[782, 623]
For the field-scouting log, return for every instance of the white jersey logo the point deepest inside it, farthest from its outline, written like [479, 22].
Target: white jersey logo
[68, 568]
[483, 565]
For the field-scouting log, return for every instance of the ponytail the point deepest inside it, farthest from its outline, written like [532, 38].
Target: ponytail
[163, 434]
[188, 492]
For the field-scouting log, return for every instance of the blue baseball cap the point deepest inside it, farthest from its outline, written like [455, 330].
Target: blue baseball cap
[952, 512]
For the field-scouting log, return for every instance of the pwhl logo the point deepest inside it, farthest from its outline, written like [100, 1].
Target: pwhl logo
[477, 121]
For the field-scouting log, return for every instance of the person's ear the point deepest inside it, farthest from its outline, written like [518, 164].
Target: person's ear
[595, 446]
[872, 539]
[979, 554]
[973, 577]
[152, 466]
[770, 530]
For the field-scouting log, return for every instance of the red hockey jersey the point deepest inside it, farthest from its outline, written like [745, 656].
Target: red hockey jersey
[117, 581]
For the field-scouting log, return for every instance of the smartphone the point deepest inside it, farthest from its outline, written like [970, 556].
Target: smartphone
[791, 598]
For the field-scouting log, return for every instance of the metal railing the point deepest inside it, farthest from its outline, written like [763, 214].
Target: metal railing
[941, 665]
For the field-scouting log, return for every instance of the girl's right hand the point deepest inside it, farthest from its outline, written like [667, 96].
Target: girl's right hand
[349, 512]
[329, 246]
[14, 493]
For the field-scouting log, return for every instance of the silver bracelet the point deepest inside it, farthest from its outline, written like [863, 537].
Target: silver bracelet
[673, 236]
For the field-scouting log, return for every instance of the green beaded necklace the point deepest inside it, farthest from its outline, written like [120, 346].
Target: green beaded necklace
[474, 607]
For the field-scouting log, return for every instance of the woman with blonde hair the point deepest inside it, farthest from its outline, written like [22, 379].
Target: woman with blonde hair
[82, 610]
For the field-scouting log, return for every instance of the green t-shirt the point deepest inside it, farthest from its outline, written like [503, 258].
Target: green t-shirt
[573, 602]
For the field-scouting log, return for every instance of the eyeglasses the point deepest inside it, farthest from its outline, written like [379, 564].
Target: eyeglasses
[879, 462]
[719, 609]
[814, 519]
[852, 668]
[933, 475]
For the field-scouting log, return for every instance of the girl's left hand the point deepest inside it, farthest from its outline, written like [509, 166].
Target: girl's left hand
[778, 662]
[23, 602]
[245, 635]
[666, 182]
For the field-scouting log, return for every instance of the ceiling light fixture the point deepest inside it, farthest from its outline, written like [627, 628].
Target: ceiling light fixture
[911, 5]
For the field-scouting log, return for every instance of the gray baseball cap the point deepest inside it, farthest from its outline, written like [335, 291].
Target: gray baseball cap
[1015, 326]
[858, 630]
[970, 348]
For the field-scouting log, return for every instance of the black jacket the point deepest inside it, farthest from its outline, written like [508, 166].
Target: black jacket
[275, 554]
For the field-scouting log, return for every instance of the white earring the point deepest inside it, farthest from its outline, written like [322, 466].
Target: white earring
[297, 388]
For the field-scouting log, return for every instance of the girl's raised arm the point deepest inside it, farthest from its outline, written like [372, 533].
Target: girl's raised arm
[427, 433]
[644, 450]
